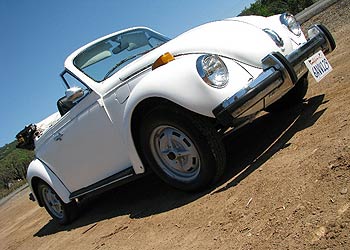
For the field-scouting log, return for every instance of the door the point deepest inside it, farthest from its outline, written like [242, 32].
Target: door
[85, 147]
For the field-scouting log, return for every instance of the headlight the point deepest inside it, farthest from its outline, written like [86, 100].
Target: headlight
[213, 71]
[291, 23]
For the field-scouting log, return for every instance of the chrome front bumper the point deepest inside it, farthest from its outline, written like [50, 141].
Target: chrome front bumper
[280, 74]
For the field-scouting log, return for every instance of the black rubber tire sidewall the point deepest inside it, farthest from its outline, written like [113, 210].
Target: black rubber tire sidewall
[69, 210]
[194, 128]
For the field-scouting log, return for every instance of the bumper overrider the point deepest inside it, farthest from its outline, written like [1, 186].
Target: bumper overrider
[280, 74]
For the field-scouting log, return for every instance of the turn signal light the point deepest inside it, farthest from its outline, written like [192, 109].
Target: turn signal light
[162, 60]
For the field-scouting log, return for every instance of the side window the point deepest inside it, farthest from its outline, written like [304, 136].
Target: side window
[70, 81]
[154, 42]
[75, 92]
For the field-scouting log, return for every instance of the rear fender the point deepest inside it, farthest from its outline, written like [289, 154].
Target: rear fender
[37, 170]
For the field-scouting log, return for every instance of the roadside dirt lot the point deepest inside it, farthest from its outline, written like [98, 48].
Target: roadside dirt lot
[287, 186]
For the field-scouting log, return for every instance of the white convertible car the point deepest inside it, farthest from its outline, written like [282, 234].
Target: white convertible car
[138, 101]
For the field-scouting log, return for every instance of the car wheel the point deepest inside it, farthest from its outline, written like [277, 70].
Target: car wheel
[182, 148]
[292, 98]
[61, 212]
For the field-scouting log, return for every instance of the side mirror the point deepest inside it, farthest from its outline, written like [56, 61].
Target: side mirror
[74, 93]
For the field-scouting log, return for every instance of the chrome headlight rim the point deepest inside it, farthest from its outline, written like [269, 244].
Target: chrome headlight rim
[291, 23]
[212, 69]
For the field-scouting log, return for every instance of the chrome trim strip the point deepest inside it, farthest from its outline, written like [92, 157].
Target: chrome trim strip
[100, 187]
[123, 175]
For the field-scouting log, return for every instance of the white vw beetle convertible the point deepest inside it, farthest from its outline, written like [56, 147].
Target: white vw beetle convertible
[138, 101]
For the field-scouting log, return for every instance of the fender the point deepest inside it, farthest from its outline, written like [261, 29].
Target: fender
[179, 82]
[38, 169]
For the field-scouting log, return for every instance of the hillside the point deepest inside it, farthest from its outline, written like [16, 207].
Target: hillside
[271, 7]
[7, 149]
[13, 167]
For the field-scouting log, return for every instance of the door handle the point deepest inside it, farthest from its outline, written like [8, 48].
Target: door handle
[58, 136]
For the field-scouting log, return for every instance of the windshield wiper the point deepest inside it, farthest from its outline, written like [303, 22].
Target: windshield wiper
[123, 61]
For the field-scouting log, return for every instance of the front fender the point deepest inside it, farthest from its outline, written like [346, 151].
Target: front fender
[179, 83]
[38, 170]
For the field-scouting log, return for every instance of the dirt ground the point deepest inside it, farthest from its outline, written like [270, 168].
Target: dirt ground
[287, 186]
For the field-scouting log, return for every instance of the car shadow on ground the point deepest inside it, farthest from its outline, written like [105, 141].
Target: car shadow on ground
[254, 144]
[247, 149]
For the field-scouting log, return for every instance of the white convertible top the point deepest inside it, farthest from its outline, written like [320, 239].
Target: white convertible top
[47, 122]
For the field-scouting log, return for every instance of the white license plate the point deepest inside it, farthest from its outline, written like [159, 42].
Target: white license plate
[318, 66]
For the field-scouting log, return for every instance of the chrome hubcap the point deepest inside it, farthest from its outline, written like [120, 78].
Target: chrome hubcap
[52, 202]
[175, 153]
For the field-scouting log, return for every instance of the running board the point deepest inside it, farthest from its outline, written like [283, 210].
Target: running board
[115, 180]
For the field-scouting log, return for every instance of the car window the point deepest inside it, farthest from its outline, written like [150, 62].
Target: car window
[77, 92]
[106, 57]
[71, 81]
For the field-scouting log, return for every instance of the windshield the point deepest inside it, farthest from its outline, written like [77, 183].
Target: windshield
[106, 57]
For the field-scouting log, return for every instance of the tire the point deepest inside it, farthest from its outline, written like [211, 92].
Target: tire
[182, 148]
[61, 212]
[294, 97]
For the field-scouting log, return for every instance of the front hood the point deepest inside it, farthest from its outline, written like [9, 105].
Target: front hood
[235, 38]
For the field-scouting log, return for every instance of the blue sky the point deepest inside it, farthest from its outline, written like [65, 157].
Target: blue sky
[37, 36]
